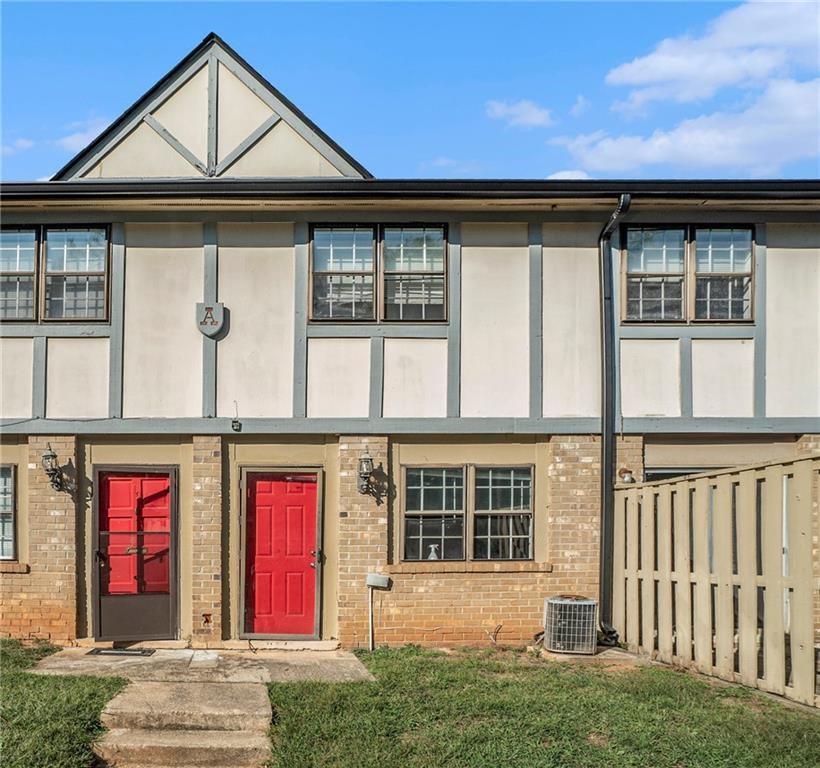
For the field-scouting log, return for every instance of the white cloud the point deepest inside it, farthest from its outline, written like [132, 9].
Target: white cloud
[569, 175]
[782, 125]
[448, 166]
[17, 146]
[742, 47]
[581, 105]
[524, 113]
[83, 133]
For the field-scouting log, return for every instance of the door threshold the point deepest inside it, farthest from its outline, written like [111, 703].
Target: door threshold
[280, 645]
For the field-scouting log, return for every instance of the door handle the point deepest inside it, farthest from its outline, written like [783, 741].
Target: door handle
[100, 557]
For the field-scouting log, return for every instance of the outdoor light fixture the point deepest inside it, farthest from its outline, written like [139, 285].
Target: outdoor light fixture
[365, 473]
[53, 469]
[625, 475]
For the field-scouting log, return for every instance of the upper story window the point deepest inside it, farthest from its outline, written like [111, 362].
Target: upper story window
[18, 257]
[678, 274]
[368, 273]
[54, 273]
[8, 527]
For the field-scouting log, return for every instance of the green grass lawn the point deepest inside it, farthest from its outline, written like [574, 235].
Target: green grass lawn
[504, 709]
[47, 722]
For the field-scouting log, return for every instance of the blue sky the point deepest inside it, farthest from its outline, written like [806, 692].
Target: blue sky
[451, 90]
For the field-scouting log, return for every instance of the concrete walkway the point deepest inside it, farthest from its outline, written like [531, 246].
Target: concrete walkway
[196, 708]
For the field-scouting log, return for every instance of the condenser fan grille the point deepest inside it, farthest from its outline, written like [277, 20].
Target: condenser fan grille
[570, 624]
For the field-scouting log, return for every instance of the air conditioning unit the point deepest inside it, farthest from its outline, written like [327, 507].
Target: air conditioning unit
[570, 624]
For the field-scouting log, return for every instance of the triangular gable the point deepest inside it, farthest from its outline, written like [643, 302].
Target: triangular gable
[213, 116]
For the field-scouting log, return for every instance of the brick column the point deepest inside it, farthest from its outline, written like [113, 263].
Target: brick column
[574, 515]
[808, 445]
[38, 594]
[363, 536]
[206, 526]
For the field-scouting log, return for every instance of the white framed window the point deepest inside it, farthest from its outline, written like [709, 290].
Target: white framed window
[8, 512]
[74, 274]
[18, 265]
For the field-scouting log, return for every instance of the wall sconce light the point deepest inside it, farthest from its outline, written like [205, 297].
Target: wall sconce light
[625, 476]
[365, 474]
[52, 468]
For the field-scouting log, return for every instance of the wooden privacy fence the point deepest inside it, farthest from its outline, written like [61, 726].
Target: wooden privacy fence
[715, 571]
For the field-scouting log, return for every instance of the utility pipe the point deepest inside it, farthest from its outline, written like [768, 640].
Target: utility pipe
[609, 635]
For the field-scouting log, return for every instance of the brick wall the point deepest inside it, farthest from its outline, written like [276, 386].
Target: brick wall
[472, 602]
[38, 594]
[363, 535]
[206, 526]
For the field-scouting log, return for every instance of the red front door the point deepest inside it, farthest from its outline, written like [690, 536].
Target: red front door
[134, 555]
[281, 554]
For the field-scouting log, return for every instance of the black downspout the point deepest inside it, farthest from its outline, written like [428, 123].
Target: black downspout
[609, 635]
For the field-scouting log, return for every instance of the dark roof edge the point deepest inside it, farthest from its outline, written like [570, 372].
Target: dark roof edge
[408, 188]
[209, 40]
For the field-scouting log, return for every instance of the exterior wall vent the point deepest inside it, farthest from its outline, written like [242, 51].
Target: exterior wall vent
[570, 624]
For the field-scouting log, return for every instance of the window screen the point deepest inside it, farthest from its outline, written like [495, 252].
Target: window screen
[655, 274]
[414, 273]
[74, 283]
[723, 274]
[18, 259]
[343, 273]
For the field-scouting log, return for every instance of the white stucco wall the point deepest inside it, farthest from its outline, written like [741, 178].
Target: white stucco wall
[255, 359]
[793, 320]
[162, 352]
[495, 340]
[239, 112]
[142, 154]
[77, 378]
[650, 377]
[723, 377]
[571, 330]
[338, 378]
[16, 369]
[185, 114]
[282, 152]
[415, 378]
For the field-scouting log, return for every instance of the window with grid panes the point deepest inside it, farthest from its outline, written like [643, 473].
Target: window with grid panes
[723, 274]
[74, 280]
[8, 533]
[414, 273]
[502, 523]
[655, 273]
[434, 514]
[18, 260]
[343, 273]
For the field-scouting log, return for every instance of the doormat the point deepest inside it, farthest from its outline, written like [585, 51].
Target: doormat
[121, 652]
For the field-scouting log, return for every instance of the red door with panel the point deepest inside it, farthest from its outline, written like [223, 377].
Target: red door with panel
[135, 556]
[282, 556]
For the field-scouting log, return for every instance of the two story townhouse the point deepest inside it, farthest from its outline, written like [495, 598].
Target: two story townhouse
[238, 374]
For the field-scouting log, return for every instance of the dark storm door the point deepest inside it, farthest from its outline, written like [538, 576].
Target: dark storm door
[282, 557]
[135, 557]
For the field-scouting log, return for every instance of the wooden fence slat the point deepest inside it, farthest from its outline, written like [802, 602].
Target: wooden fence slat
[747, 574]
[700, 544]
[632, 614]
[724, 613]
[773, 579]
[683, 584]
[619, 567]
[665, 573]
[800, 576]
[648, 568]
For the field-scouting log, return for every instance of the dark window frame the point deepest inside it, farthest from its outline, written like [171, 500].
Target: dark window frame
[379, 272]
[33, 273]
[44, 273]
[15, 542]
[689, 276]
[40, 237]
[468, 548]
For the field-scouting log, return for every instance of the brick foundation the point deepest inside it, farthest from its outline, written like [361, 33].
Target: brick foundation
[206, 526]
[38, 593]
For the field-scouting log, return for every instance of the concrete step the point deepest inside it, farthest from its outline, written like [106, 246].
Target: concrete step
[123, 748]
[190, 706]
